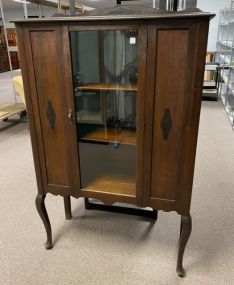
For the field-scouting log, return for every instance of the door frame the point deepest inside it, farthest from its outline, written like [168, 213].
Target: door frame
[110, 198]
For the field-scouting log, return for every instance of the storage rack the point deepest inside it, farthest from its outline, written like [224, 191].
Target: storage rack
[211, 85]
[225, 56]
[4, 63]
[61, 5]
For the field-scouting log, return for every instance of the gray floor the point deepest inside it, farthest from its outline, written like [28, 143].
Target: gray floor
[105, 248]
[6, 88]
[7, 94]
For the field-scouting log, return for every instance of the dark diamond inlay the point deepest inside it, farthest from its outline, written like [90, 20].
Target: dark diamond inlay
[51, 116]
[166, 123]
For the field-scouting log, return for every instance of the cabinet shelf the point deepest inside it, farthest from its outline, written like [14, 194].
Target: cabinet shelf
[106, 87]
[125, 136]
[114, 185]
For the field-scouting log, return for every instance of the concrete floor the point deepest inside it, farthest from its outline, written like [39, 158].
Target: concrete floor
[7, 94]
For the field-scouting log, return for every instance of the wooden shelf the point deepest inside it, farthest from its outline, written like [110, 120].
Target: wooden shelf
[114, 185]
[125, 136]
[106, 87]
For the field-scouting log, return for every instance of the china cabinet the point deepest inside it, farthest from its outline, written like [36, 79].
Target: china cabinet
[113, 98]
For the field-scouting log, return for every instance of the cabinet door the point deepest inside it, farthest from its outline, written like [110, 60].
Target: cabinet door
[176, 56]
[48, 100]
[108, 65]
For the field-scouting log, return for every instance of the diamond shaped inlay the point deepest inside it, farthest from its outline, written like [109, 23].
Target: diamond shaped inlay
[51, 116]
[166, 123]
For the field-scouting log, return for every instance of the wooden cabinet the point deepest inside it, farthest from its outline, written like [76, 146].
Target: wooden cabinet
[114, 103]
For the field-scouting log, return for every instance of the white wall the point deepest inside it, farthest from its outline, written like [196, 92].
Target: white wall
[213, 6]
[17, 12]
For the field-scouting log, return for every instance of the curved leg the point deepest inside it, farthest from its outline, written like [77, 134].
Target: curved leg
[40, 205]
[180, 229]
[186, 228]
[67, 207]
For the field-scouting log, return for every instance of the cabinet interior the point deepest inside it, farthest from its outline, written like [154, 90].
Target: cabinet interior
[105, 71]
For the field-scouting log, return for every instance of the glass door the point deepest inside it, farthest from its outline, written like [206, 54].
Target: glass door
[105, 75]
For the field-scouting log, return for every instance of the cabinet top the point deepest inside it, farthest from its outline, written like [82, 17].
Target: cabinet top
[121, 12]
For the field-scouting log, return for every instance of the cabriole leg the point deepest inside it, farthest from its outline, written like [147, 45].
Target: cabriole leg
[40, 205]
[67, 207]
[186, 228]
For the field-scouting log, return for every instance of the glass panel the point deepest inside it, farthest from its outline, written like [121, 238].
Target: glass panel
[105, 90]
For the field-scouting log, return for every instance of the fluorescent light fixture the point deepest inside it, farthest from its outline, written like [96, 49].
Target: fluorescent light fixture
[87, 8]
[21, 1]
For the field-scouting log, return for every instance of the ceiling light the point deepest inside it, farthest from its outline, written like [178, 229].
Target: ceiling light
[87, 8]
[21, 1]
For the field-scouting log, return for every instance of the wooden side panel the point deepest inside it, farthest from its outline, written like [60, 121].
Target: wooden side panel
[192, 119]
[29, 104]
[170, 93]
[175, 68]
[47, 68]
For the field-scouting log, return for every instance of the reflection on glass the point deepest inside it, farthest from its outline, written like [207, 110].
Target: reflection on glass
[105, 88]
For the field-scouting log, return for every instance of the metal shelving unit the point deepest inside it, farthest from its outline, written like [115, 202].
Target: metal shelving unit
[61, 5]
[225, 56]
[9, 109]
[211, 86]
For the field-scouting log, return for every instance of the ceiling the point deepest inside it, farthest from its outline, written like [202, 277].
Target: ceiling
[10, 4]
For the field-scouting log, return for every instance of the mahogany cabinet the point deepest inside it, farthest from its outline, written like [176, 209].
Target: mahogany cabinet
[114, 99]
